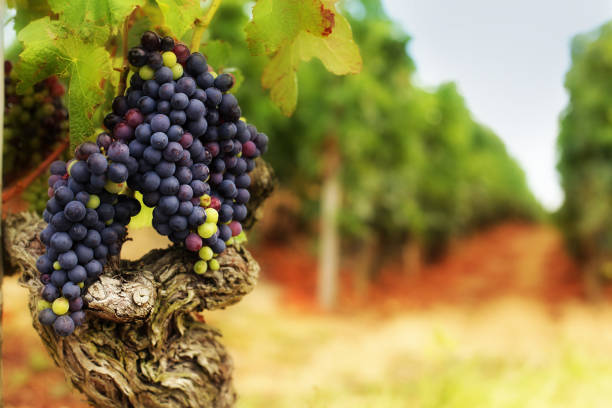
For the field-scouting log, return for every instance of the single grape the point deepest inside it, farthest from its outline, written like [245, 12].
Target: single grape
[159, 140]
[224, 82]
[178, 117]
[47, 317]
[58, 278]
[50, 292]
[92, 239]
[78, 317]
[196, 64]
[118, 152]
[167, 44]
[163, 75]
[58, 167]
[63, 326]
[152, 155]
[165, 168]
[182, 52]
[168, 205]
[155, 60]
[137, 56]
[94, 269]
[169, 186]
[213, 97]
[179, 101]
[160, 123]
[77, 274]
[172, 152]
[228, 108]
[195, 109]
[70, 291]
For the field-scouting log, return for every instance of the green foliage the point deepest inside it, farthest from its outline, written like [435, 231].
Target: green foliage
[82, 40]
[585, 146]
[179, 15]
[415, 165]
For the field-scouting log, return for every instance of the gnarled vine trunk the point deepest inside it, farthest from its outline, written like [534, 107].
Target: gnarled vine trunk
[143, 344]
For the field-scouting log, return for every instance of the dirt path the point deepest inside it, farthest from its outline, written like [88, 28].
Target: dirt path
[510, 259]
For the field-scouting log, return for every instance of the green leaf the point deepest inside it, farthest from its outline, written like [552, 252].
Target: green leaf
[51, 50]
[217, 53]
[28, 10]
[277, 22]
[280, 78]
[80, 13]
[180, 15]
[41, 56]
[89, 66]
[291, 31]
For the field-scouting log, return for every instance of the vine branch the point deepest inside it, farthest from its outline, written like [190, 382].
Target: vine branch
[202, 25]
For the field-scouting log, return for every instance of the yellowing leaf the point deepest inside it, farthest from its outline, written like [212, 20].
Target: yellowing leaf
[338, 52]
[180, 15]
[276, 22]
[290, 31]
[280, 77]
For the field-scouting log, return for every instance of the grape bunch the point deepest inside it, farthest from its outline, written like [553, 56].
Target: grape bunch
[177, 137]
[33, 123]
[87, 221]
[194, 150]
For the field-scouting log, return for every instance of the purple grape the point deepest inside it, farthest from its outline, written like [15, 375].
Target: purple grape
[63, 325]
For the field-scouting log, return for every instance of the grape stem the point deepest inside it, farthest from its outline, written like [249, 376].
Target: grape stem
[17, 188]
[201, 25]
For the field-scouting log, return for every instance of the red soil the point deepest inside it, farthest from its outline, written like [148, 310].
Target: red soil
[510, 259]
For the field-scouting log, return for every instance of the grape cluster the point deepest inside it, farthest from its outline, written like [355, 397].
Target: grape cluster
[194, 151]
[86, 224]
[177, 137]
[33, 123]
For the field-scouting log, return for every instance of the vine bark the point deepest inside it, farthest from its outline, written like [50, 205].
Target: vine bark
[145, 344]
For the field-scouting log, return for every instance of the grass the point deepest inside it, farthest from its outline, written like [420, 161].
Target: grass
[503, 354]
[511, 353]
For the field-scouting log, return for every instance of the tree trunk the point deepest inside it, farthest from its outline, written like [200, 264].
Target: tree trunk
[327, 280]
[144, 344]
[412, 258]
[367, 256]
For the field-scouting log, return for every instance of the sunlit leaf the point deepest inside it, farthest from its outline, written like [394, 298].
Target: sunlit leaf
[217, 53]
[51, 50]
[77, 13]
[180, 15]
[290, 31]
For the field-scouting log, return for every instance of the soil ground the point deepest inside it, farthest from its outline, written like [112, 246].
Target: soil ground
[499, 322]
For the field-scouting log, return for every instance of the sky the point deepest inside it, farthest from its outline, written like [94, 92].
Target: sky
[509, 60]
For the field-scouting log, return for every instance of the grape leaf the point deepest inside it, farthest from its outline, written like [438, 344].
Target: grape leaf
[90, 65]
[291, 31]
[217, 53]
[180, 15]
[50, 49]
[41, 56]
[28, 10]
[80, 13]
